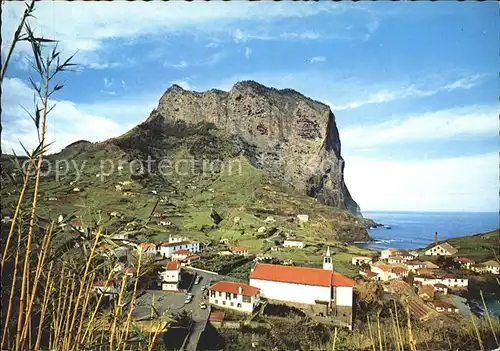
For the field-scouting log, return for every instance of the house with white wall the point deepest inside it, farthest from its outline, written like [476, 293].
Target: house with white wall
[239, 250]
[293, 243]
[359, 260]
[236, 296]
[443, 249]
[180, 255]
[167, 249]
[465, 262]
[304, 285]
[385, 254]
[170, 276]
[450, 280]
[109, 288]
[148, 248]
[492, 266]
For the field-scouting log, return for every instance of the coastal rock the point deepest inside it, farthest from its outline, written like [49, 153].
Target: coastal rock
[292, 137]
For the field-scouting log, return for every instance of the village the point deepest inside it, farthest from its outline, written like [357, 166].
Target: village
[435, 277]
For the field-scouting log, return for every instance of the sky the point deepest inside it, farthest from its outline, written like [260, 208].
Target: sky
[413, 85]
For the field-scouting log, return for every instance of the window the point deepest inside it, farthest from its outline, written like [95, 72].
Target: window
[228, 296]
[235, 296]
[224, 302]
[238, 305]
[232, 304]
[216, 301]
[220, 293]
[247, 299]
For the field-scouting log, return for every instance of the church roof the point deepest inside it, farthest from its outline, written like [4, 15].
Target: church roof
[299, 275]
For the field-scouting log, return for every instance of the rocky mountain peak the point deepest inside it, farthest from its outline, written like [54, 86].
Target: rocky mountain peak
[292, 137]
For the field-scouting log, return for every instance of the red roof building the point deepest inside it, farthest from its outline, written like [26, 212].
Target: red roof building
[300, 275]
[173, 266]
[182, 252]
[235, 288]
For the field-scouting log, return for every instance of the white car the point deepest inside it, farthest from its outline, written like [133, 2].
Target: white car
[203, 288]
[188, 300]
[203, 305]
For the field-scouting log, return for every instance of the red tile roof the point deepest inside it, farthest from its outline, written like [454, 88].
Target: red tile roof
[216, 316]
[299, 275]
[464, 260]
[238, 248]
[232, 287]
[76, 224]
[173, 265]
[147, 245]
[440, 286]
[398, 270]
[371, 274]
[182, 252]
[105, 283]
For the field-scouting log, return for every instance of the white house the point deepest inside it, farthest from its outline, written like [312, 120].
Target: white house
[237, 296]
[120, 236]
[148, 248]
[166, 249]
[492, 266]
[180, 255]
[109, 288]
[359, 260]
[450, 280]
[293, 243]
[415, 265]
[303, 285]
[386, 272]
[303, 218]
[385, 254]
[465, 262]
[443, 249]
[169, 278]
[239, 250]
[396, 260]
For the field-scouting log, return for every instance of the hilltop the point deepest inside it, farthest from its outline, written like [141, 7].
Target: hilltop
[480, 247]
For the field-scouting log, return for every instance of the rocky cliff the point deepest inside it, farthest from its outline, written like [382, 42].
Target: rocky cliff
[288, 135]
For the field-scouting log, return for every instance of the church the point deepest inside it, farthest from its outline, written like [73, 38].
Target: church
[323, 290]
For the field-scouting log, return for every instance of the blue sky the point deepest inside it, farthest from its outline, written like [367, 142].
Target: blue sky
[414, 86]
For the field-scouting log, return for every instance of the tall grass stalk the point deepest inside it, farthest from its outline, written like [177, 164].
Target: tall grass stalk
[488, 318]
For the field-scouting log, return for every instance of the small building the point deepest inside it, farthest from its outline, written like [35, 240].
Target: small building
[120, 236]
[190, 260]
[78, 226]
[148, 248]
[180, 255]
[269, 220]
[441, 288]
[170, 276]
[443, 249]
[293, 243]
[239, 250]
[479, 268]
[130, 226]
[443, 306]
[465, 262]
[237, 296]
[398, 272]
[407, 256]
[359, 260]
[177, 243]
[261, 230]
[76, 190]
[492, 266]
[109, 288]
[426, 292]
[430, 265]
[396, 260]
[450, 280]
[385, 254]
[276, 248]
[225, 253]
[303, 218]
[415, 265]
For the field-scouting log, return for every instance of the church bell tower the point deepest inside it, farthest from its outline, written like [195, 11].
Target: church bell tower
[327, 260]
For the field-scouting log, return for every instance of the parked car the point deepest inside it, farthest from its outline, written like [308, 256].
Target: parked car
[197, 280]
[188, 299]
[203, 305]
[203, 289]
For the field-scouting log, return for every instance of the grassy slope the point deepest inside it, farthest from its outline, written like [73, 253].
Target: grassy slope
[480, 247]
[244, 194]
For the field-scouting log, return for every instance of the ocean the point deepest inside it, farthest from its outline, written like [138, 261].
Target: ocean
[411, 230]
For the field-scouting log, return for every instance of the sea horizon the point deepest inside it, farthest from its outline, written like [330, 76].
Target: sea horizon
[415, 229]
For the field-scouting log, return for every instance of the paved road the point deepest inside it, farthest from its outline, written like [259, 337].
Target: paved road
[200, 316]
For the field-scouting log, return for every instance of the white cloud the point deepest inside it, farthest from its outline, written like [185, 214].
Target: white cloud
[366, 95]
[318, 59]
[68, 122]
[450, 184]
[442, 124]
[248, 51]
[84, 26]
